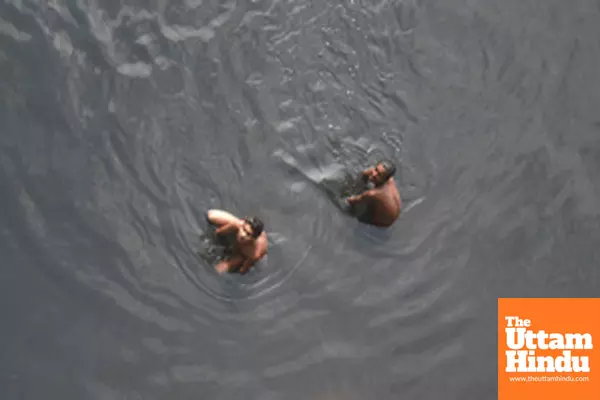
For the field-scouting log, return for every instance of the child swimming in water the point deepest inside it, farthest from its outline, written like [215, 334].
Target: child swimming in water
[250, 240]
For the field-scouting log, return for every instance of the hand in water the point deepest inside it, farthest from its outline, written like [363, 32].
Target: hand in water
[222, 268]
[345, 205]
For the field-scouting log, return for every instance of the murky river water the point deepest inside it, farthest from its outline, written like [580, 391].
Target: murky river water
[124, 121]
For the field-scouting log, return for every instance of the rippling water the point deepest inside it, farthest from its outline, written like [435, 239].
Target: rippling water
[123, 121]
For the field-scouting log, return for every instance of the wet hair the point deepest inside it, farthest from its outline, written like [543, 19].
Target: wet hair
[390, 169]
[256, 225]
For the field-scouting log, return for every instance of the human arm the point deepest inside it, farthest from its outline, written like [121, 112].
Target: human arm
[226, 229]
[366, 173]
[359, 198]
[248, 262]
[259, 253]
[230, 264]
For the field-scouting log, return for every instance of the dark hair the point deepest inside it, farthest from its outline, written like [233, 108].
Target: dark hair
[390, 169]
[256, 224]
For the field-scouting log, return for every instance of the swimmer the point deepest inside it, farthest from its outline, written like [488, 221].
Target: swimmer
[380, 205]
[250, 240]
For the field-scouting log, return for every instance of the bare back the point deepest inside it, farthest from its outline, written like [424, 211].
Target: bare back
[386, 204]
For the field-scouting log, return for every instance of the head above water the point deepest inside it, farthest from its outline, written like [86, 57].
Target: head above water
[383, 171]
[255, 226]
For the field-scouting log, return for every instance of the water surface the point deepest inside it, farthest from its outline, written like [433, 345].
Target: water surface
[124, 121]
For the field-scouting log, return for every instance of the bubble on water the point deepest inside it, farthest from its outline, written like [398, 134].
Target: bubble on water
[298, 187]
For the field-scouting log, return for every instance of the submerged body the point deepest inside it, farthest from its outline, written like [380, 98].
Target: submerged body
[380, 206]
[250, 240]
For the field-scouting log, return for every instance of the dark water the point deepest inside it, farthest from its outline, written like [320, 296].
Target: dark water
[123, 121]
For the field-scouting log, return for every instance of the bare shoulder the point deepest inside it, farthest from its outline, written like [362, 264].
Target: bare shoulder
[391, 185]
[262, 245]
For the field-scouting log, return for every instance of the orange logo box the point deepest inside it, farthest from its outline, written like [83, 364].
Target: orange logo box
[549, 349]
